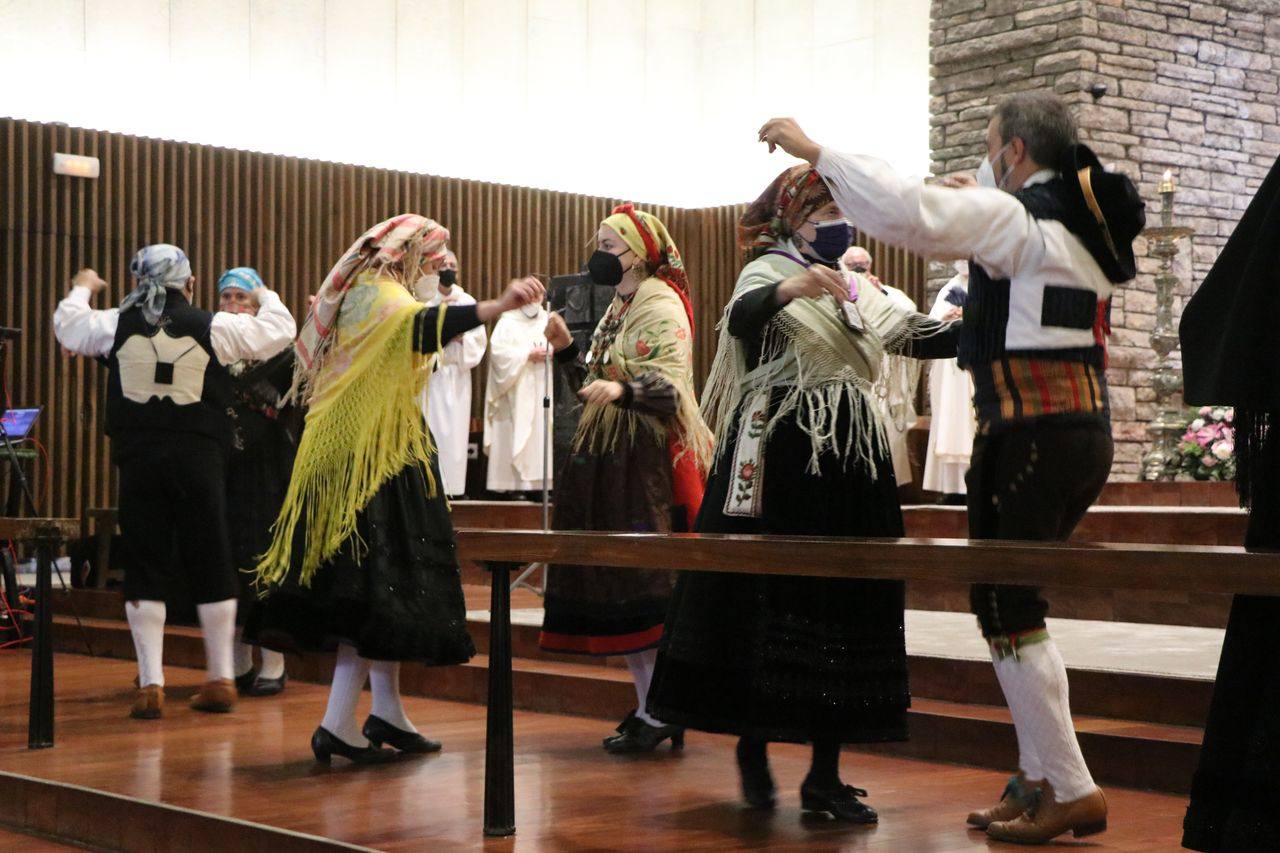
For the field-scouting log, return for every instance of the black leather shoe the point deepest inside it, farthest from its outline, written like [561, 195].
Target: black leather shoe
[267, 686]
[379, 731]
[622, 729]
[758, 789]
[642, 737]
[326, 745]
[244, 683]
[840, 802]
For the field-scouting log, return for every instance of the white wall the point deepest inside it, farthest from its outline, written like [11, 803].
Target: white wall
[650, 99]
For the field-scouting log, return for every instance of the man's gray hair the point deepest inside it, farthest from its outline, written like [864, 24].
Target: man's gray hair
[1042, 121]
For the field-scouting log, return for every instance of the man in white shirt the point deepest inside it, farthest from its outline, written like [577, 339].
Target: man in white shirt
[168, 392]
[448, 397]
[1050, 234]
[952, 423]
[514, 423]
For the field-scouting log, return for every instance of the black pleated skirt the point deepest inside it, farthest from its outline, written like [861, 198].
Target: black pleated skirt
[398, 596]
[790, 658]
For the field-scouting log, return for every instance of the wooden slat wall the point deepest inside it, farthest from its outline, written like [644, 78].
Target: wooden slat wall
[288, 217]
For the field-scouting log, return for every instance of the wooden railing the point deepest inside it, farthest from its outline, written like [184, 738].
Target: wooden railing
[1105, 566]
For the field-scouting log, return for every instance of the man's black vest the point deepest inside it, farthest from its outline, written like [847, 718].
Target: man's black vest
[166, 378]
[986, 313]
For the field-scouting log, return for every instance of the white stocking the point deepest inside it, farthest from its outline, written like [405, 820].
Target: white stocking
[243, 656]
[218, 625]
[349, 674]
[146, 623]
[1028, 758]
[272, 664]
[384, 682]
[1035, 683]
[641, 665]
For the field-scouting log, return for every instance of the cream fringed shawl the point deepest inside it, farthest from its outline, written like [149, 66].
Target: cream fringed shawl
[821, 354]
[654, 337]
[364, 425]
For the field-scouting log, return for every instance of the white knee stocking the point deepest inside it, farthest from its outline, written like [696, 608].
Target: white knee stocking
[218, 625]
[1028, 758]
[349, 674]
[641, 665]
[146, 623]
[1035, 685]
[384, 683]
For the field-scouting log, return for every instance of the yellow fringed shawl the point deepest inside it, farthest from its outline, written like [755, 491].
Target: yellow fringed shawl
[654, 338]
[363, 427]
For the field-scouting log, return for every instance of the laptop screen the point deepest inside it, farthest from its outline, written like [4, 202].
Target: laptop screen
[18, 422]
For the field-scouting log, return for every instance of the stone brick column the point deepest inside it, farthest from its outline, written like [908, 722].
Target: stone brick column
[1191, 87]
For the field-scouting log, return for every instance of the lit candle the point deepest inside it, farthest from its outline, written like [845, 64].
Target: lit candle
[1166, 193]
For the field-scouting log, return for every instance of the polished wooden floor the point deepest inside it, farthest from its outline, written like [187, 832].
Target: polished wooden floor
[256, 765]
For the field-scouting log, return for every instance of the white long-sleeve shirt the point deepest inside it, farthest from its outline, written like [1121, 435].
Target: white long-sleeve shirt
[88, 331]
[988, 225]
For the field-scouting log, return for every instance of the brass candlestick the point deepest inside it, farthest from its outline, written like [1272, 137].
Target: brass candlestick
[1167, 427]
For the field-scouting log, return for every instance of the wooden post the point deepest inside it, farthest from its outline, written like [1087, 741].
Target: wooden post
[499, 757]
[40, 719]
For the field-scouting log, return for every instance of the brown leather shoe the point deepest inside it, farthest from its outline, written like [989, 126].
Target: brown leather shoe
[1019, 796]
[215, 697]
[149, 703]
[1082, 817]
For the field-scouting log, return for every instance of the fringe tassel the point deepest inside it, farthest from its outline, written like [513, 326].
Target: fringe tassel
[361, 439]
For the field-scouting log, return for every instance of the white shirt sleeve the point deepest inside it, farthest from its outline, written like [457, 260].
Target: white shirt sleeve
[243, 336]
[82, 329]
[989, 225]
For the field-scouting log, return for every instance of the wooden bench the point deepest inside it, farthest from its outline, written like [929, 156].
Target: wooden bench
[1211, 569]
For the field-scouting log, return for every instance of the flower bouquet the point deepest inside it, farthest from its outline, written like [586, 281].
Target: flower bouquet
[1207, 450]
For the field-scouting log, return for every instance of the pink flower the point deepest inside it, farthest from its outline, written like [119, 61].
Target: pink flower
[1208, 461]
[1223, 450]
[1230, 416]
[642, 348]
[1206, 411]
[748, 471]
[1205, 437]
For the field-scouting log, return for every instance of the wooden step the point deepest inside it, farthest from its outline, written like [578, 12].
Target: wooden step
[1125, 695]
[1124, 752]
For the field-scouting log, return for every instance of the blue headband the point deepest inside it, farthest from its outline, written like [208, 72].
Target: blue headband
[243, 278]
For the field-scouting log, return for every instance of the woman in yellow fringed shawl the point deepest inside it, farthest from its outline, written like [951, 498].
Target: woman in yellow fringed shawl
[639, 457]
[362, 558]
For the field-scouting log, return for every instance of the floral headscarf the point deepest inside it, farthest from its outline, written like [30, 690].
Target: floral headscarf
[384, 244]
[645, 235]
[782, 208]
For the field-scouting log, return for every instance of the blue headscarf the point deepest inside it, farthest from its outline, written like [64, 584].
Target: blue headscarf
[243, 278]
[157, 268]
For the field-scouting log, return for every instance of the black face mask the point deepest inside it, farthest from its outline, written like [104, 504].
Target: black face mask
[604, 268]
[448, 278]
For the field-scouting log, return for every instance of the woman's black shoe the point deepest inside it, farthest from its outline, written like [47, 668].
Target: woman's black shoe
[840, 802]
[622, 729]
[379, 731]
[326, 745]
[266, 686]
[639, 736]
[758, 789]
[244, 683]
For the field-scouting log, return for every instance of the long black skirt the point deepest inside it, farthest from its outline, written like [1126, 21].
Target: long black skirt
[790, 658]
[396, 596]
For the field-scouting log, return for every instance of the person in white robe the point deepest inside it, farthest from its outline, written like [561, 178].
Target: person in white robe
[896, 388]
[953, 422]
[515, 426]
[448, 397]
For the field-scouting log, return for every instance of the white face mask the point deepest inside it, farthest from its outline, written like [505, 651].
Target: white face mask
[426, 287]
[987, 175]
